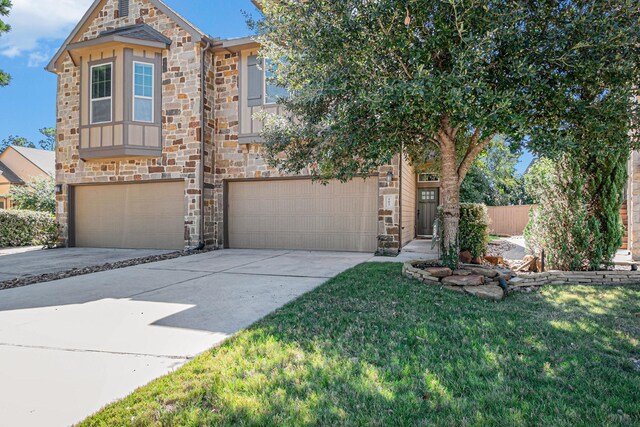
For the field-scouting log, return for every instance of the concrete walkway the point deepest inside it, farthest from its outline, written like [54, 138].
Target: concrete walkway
[33, 261]
[72, 346]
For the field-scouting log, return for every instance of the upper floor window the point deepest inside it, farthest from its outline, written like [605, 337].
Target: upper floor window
[143, 92]
[272, 91]
[101, 88]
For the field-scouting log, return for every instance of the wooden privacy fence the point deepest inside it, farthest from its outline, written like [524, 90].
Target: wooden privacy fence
[508, 220]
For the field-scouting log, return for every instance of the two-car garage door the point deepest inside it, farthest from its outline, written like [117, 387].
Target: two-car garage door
[136, 216]
[301, 214]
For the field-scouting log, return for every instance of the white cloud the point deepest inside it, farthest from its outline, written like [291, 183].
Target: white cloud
[36, 23]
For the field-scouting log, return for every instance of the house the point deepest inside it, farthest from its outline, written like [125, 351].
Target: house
[158, 147]
[19, 165]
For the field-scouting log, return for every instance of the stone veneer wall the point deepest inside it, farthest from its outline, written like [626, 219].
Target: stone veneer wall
[633, 206]
[180, 119]
[243, 161]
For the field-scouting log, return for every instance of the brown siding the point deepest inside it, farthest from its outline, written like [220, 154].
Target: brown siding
[408, 202]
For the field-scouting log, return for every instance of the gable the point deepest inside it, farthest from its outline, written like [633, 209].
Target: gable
[103, 15]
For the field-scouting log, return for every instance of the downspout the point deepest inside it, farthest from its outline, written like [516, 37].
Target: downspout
[400, 228]
[203, 122]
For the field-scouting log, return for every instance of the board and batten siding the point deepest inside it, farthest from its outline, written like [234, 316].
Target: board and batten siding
[408, 202]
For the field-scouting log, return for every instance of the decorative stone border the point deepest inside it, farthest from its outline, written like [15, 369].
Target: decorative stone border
[489, 283]
[525, 280]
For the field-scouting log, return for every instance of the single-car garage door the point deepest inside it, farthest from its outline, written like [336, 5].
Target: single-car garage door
[136, 216]
[301, 214]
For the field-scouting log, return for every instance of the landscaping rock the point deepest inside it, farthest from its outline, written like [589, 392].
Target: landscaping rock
[461, 272]
[487, 292]
[439, 271]
[466, 257]
[457, 280]
[495, 260]
[477, 260]
[486, 272]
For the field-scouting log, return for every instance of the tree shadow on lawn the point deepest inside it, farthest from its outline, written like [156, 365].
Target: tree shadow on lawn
[374, 348]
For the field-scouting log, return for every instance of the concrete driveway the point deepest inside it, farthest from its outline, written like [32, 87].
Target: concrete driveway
[69, 347]
[24, 262]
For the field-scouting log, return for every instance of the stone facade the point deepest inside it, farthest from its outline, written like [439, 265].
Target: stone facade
[180, 119]
[224, 158]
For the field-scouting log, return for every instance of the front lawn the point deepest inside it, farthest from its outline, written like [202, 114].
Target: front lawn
[373, 348]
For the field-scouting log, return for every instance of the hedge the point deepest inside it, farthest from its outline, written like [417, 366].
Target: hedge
[27, 228]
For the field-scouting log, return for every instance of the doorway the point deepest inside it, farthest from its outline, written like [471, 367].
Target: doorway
[428, 199]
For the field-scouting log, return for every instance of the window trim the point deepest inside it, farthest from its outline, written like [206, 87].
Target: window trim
[133, 90]
[91, 99]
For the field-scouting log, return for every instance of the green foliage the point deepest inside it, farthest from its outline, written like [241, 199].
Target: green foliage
[474, 228]
[26, 228]
[5, 6]
[473, 235]
[440, 79]
[577, 222]
[36, 195]
[493, 180]
[48, 141]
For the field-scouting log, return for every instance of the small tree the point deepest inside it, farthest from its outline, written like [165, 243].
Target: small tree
[37, 195]
[5, 6]
[439, 79]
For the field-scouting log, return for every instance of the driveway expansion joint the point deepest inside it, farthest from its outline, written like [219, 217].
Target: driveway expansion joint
[82, 350]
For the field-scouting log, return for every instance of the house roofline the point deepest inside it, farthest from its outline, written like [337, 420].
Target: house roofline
[177, 18]
[257, 3]
[236, 44]
[16, 149]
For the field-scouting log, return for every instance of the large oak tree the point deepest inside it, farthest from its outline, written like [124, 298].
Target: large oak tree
[439, 80]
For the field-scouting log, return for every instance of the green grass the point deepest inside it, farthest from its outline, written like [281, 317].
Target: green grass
[493, 238]
[372, 348]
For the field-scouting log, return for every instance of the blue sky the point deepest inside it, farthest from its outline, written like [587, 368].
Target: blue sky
[40, 26]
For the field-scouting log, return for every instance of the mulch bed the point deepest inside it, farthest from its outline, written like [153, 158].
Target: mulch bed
[49, 277]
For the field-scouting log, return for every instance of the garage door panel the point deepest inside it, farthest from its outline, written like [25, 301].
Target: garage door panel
[300, 214]
[137, 216]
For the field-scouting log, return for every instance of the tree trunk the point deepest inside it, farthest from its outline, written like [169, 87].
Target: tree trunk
[450, 201]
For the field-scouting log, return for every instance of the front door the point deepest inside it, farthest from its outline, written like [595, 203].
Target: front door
[427, 210]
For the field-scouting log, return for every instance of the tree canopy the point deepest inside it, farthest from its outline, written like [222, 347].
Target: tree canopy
[440, 79]
[5, 6]
[48, 141]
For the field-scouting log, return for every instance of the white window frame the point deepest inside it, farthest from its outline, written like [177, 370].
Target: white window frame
[91, 99]
[153, 92]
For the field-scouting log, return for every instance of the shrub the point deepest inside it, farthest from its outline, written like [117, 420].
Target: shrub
[577, 222]
[25, 228]
[473, 231]
[36, 195]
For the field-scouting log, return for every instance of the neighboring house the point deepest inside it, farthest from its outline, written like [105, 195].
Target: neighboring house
[158, 148]
[19, 165]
